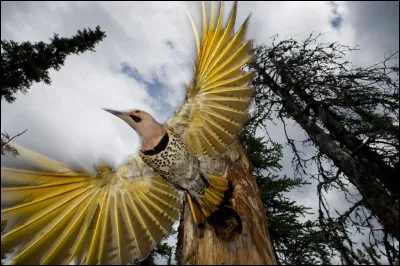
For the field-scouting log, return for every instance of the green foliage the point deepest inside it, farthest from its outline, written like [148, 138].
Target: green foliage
[24, 63]
[162, 249]
[6, 147]
[5, 143]
[259, 152]
[294, 241]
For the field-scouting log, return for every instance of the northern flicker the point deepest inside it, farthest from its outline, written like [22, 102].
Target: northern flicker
[57, 214]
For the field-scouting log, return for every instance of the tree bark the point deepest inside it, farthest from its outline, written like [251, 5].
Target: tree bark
[253, 246]
[370, 160]
[379, 201]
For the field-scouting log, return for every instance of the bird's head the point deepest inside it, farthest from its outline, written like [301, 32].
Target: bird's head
[142, 122]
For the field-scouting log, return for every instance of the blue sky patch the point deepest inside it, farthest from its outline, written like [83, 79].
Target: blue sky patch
[131, 72]
[337, 19]
[170, 44]
[336, 22]
[156, 89]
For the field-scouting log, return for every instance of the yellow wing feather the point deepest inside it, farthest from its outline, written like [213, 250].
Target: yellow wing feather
[218, 98]
[55, 216]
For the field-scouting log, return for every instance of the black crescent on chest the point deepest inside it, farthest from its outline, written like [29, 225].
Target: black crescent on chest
[162, 145]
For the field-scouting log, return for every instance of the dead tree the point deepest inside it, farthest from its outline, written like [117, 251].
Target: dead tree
[252, 245]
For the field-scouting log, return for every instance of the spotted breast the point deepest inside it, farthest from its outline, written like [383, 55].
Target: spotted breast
[171, 159]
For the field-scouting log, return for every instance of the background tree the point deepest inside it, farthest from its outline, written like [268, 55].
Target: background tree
[24, 63]
[350, 115]
[162, 250]
[296, 241]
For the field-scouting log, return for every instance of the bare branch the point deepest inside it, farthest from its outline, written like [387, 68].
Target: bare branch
[6, 146]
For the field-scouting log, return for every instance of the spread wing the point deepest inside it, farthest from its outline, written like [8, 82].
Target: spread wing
[217, 100]
[55, 215]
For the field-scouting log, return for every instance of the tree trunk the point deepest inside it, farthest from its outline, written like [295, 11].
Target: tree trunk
[379, 201]
[372, 161]
[253, 246]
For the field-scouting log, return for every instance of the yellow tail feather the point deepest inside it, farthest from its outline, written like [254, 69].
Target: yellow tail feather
[210, 200]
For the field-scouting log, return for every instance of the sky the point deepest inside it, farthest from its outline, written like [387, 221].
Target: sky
[146, 59]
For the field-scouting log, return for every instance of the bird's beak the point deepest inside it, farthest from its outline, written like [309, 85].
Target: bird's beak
[126, 116]
[117, 113]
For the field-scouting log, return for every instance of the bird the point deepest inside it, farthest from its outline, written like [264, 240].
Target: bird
[54, 214]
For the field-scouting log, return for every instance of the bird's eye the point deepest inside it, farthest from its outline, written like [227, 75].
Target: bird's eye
[136, 118]
[137, 111]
